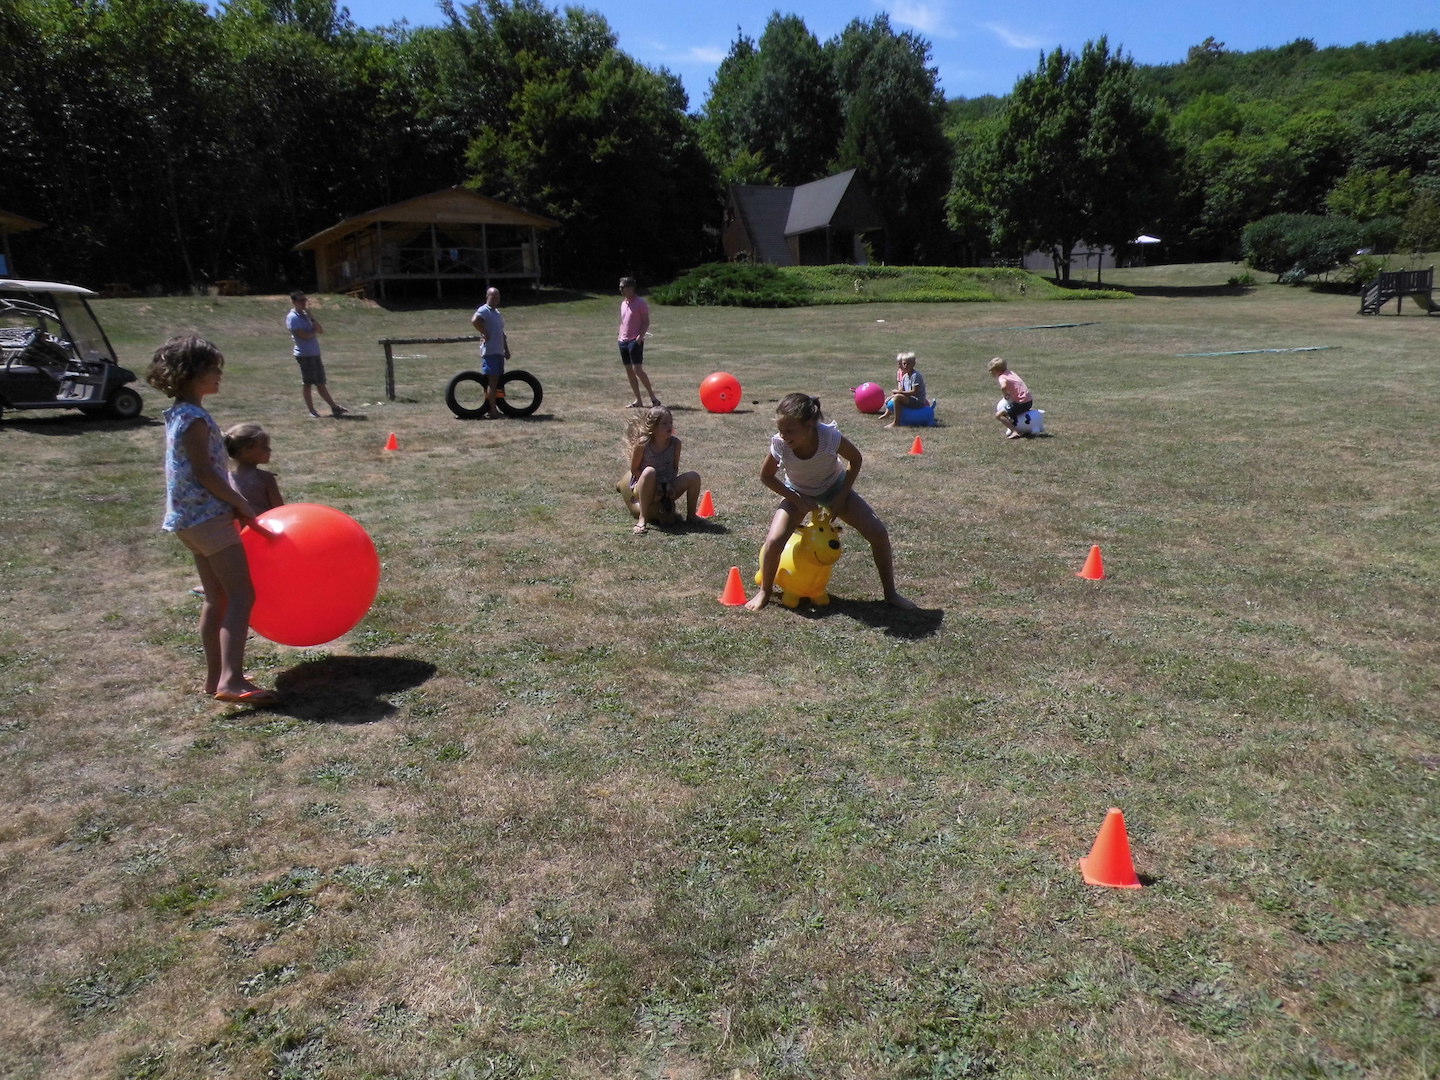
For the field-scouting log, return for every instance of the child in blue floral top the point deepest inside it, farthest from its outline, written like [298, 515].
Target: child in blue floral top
[201, 508]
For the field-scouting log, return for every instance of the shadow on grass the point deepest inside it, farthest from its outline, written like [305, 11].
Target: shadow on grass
[895, 622]
[1173, 292]
[348, 689]
[539, 417]
[61, 422]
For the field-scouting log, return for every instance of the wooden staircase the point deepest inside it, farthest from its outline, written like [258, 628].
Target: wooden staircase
[1395, 285]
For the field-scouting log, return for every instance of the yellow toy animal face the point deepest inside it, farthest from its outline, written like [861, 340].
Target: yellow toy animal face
[822, 540]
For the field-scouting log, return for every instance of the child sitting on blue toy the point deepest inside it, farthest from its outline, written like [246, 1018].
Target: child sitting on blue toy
[910, 387]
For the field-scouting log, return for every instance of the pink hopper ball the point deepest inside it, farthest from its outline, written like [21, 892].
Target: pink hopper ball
[870, 397]
[315, 572]
[720, 392]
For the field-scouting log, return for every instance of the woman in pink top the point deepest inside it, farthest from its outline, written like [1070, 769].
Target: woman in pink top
[634, 325]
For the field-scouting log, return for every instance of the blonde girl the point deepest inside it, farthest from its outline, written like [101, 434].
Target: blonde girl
[811, 466]
[656, 482]
[201, 508]
[249, 447]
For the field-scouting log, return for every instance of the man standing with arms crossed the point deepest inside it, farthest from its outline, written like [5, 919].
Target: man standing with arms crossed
[634, 324]
[494, 347]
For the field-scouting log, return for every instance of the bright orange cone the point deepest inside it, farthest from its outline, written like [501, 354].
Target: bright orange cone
[392, 443]
[734, 594]
[917, 447]
[1094, 566]
[706, 507]
[1109, 861]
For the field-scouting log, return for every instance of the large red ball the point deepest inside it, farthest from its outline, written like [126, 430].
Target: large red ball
[315, 572]
[720, 392]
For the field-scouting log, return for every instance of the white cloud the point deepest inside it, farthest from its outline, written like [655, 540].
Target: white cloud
[930, 19]
[1013, 39]
[706, 54]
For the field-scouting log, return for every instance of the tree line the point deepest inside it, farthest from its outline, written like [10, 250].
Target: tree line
[165, 144]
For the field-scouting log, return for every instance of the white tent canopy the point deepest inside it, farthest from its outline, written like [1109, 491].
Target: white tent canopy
[1146, 238]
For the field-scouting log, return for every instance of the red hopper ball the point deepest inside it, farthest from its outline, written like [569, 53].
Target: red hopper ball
[315, 572]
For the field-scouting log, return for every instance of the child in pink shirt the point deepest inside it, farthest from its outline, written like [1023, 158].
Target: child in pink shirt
[1016, 397]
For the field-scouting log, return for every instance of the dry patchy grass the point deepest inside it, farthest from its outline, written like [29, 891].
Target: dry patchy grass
[552, 811]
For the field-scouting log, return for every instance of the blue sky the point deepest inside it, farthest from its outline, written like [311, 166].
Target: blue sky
[978, 47]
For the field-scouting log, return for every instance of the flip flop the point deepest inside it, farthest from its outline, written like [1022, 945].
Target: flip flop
[257, 699]
[641, 529]
[636, 405]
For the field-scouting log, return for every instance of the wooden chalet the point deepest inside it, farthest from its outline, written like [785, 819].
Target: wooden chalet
[454, 235]
[815, 224]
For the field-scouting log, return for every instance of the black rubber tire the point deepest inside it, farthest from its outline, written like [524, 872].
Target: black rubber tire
[530, 401]
[515, 401]
[124, 404]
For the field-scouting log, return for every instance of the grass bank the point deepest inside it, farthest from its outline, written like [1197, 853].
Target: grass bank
[745, 285]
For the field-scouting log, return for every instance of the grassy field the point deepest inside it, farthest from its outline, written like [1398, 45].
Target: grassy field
[552, 811]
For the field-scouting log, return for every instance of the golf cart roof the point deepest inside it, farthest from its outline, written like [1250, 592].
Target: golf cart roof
[20, 285]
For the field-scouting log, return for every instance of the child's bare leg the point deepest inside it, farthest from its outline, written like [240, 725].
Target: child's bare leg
[690, 484]
[856, 512]
[781, 526]
[644, 497]
[634, 384]
[309, 392]
[229, 617]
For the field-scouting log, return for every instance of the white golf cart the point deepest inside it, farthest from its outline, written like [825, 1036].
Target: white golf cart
[54, 355]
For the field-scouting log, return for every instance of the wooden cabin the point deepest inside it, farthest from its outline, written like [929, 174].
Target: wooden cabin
[454, 235]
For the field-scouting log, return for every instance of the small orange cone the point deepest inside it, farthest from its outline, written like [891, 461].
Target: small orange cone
[392, 443]
[734, 594]
[917, 447]
[1094, 568]
[1109, 861]
[707, 506]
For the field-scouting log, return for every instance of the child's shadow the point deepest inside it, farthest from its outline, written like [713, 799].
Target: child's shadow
[913, 623]
[348, 689]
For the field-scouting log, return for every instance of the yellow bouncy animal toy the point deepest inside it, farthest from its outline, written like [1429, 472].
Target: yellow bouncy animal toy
[805, 564]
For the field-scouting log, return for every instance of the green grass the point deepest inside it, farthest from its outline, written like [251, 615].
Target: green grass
[552, 811]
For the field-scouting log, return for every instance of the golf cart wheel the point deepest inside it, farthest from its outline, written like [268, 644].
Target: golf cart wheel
[466, 401]
[520, 394]
[124, 404]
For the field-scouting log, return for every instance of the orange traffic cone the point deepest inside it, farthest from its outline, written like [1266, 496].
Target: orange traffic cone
[1109, 861]
[917, 447]
[392, 443]
[1094, 568]
[707, 506]
[734, 594]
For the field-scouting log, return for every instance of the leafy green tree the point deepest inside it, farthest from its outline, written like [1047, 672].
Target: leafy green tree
[1366, 194]
[725, 125]
[893, 133]
[585, 135]
[1078, 154]
[792, 111]
[1421, 230]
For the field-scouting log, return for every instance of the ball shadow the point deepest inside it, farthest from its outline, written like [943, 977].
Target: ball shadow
[348, 689]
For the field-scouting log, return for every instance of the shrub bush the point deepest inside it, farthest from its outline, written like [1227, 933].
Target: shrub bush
[1295, 246]
[733, 285]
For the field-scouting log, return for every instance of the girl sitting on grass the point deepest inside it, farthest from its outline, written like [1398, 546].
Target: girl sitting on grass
[805, 468]
[201, 508]
[655, 481]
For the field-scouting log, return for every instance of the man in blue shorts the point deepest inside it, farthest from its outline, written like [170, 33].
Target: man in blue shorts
[494, 348]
